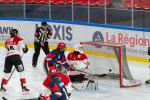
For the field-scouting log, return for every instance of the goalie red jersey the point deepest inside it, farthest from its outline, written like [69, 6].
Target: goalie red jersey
[79, 61]
[75, 56]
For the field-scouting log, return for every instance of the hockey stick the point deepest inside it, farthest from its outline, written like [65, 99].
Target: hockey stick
[11, 75]
[66, 92]
[90, 74]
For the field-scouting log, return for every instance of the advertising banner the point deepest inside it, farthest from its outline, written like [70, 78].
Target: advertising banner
[137, 42]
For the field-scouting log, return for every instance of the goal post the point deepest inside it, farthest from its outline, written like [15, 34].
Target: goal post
[110, 59]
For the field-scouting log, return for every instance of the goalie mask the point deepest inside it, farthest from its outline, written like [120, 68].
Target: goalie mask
[78, 48]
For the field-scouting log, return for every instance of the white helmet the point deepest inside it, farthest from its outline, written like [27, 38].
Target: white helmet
[78, 48]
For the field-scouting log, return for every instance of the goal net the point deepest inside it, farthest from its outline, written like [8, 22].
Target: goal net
[109, 59]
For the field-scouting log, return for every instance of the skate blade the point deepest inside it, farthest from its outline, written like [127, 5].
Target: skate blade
[2, 91]
[3, 98]
[25, 93]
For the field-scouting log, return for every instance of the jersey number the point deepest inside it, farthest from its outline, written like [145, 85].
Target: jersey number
[10, 48]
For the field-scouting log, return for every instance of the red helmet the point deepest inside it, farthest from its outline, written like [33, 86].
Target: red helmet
[61, 46]
[53, 71]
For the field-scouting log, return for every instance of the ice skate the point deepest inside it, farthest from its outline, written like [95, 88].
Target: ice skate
[147, 81]
[25, 90]
[34, 66]
[2, 89]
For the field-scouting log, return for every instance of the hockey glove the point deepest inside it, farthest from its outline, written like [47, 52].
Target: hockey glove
[25, 50]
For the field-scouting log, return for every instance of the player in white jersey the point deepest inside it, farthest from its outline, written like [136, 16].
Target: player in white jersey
[14, 46]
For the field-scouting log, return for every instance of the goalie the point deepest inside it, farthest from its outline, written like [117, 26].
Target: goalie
[79, 61]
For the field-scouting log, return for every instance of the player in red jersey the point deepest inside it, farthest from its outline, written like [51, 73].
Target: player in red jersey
[14, 47]
[78, 60]
[64, 77]
[47, 90]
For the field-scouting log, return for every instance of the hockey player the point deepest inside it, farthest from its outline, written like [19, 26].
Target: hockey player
[55, 83]
[148, 81]
[41, 36]
[56, 55]
[14, 47]
[64, 77]
[79, 61]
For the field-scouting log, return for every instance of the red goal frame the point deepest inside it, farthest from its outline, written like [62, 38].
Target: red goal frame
[120, 50]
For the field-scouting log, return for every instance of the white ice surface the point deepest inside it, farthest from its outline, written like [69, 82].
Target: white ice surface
[108, 89]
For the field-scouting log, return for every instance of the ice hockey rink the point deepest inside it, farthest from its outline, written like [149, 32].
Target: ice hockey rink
[108, 90]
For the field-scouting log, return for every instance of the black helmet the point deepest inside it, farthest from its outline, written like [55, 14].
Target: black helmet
[58, 66]
[13, 32]
[43, 23]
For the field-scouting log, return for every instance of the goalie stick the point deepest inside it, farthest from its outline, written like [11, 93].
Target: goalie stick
[90, 74]
[108, 75]
[77, 88]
